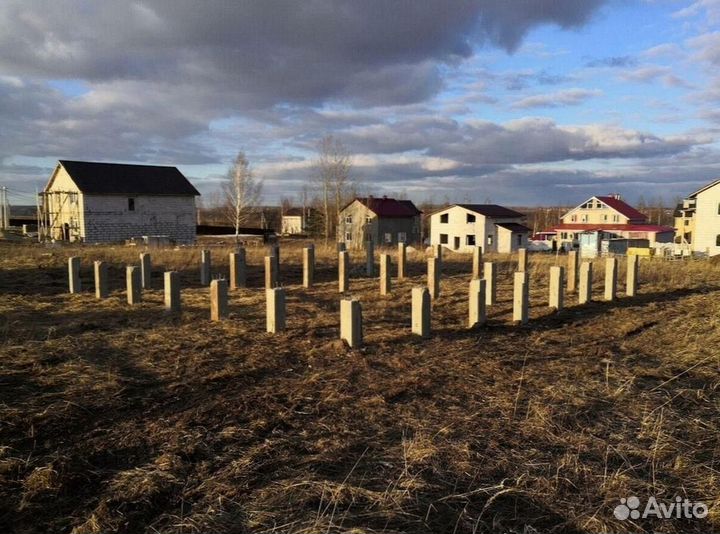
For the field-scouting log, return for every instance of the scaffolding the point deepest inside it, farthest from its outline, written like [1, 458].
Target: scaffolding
[59, 216]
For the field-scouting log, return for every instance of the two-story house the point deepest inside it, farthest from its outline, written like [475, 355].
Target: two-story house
[385, 221]
[95, 202]
[697, 220]
[461, 227]
[613, 217]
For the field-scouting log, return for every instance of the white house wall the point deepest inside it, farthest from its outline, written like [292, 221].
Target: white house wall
[504, 240]
[602, 215]
[457, 226]
[292, 224]
[707, 221]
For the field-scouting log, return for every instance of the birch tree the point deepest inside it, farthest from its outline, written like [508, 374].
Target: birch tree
[242, 192]
[333, 175]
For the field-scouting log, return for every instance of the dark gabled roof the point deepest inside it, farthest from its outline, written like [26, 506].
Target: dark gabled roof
[123, 179]
[389, 207]
[491, 210]
[622, 207]
[514, 227]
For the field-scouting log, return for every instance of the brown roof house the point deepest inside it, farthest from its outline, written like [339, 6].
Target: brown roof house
[385, 221]
[112, 202]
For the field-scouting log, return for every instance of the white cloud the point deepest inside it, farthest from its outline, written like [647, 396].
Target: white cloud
[645, 74]
[707, 48]
[566, 97]
[709, 8]
[672, 50]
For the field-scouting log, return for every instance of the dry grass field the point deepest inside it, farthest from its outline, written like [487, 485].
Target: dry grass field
[127, 419]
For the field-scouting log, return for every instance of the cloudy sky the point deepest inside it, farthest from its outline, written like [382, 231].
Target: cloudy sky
[522, 102]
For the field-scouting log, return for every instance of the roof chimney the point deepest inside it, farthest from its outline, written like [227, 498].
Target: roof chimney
[616, 196]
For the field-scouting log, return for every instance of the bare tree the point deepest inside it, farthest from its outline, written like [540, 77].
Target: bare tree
[333, 176]
[242, 192]
[286, 203]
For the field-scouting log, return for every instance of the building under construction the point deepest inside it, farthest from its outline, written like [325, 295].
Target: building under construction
[111, 202]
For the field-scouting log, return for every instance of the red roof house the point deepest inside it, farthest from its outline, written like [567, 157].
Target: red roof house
[382, 220]
[608, 213]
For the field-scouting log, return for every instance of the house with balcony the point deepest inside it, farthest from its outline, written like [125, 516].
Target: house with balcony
[697, 220]
[461, 227]
[684, 221]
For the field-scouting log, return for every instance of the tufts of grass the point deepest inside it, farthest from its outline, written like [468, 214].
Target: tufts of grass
[127, 419]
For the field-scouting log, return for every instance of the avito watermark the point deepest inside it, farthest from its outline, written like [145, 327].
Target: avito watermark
[680, 508]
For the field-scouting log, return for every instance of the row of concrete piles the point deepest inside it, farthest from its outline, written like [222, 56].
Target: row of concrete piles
[579, 278]
[482, 290]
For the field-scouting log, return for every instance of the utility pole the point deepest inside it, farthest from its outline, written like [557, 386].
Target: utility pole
[4, 209]
[39, 216]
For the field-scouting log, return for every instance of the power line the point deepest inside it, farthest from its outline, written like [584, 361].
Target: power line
[23, 196]
[13, 190]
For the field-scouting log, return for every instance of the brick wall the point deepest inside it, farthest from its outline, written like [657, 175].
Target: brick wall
[108, 218]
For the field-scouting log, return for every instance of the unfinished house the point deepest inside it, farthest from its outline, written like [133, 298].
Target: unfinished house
[385, 221]
[112, 202]
[461, 227]
[697, 220]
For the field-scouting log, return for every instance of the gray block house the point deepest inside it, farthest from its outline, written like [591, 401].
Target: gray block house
[111, 202]
[385, 221]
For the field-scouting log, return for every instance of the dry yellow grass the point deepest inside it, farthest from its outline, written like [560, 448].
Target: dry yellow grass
[128, 419]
